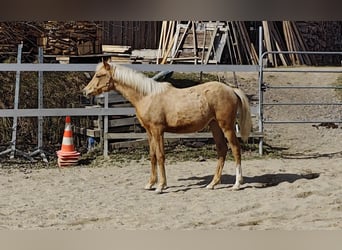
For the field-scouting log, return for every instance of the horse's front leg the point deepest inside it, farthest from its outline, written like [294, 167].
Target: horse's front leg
[157, 155]
[161, 163]
[153, 158]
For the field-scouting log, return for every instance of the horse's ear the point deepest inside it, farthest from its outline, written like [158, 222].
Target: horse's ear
[106, 64]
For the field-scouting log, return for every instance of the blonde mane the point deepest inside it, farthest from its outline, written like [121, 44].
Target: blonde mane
[138, 81]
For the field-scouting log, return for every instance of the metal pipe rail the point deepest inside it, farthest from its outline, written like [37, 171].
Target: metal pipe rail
[263, 87]
[302, 103]
[48, 67]
[303, 87]
[299, 122]
[42, 112]
[139, 67]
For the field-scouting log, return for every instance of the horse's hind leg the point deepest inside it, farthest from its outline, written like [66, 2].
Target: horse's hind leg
[221, 148]
[236, 150]
[229, 132]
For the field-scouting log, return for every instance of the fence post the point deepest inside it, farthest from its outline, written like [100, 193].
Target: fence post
[12, 150]
[260, 111]
[40, 106]
[105, 127]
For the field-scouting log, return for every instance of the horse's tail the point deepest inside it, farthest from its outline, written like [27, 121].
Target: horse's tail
[244, 117]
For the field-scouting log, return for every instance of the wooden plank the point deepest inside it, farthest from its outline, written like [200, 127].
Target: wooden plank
[129, 144]
[220, 47]
[267, 38]
[180, 42]
[96, 133]
[236, 44]
[115, 48]
[211, 45]
[119, 122]
[306, 58]
[194, 39]
[203, 48]
[168, 51]
[288, 41]
[151, 54]
[113, 98]
[230, 45]
[160, 54]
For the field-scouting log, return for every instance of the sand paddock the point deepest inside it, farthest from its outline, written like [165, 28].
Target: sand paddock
[300, 187]
[277, 194]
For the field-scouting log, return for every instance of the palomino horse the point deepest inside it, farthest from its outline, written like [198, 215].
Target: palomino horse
[160, 108]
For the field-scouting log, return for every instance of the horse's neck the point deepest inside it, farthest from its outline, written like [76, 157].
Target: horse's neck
[129, 93]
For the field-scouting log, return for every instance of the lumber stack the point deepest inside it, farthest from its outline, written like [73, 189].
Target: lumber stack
[226, 42]
[166, 41]
[206, 42]
[241, 49]
[285, 37]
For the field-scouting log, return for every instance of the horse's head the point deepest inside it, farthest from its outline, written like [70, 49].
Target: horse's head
[102, 81]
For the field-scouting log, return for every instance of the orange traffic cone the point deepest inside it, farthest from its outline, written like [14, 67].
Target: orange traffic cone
[67, 156]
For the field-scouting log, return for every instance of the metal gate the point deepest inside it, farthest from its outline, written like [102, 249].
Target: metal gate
[263, 87]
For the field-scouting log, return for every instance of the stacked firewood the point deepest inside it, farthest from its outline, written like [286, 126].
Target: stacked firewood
[228, 42]
[56, 38]
[14, 33]
[70, 38]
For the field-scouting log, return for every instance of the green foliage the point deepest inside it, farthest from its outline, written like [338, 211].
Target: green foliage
[338, 83]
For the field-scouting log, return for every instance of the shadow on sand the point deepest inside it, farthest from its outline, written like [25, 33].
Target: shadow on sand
[261, 181]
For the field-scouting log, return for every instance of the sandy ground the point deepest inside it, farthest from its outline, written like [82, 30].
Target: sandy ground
[277, 194]
[297, 187]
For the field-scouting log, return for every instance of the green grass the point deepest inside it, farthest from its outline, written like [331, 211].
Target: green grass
[338, 83]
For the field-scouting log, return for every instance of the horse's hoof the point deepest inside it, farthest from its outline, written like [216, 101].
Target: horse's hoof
[148, 187]
[236, 187]
[158, 191]
[209, 186]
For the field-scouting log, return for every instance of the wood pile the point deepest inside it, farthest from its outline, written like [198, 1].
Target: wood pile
[58, 38]
[225, 42]
[70, 38]
[14, 33]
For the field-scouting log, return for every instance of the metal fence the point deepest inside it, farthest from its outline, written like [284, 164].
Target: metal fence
[99, 111]
[268, 87]
[106, 111]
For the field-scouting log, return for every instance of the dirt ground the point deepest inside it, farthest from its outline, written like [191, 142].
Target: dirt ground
[296, 185]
